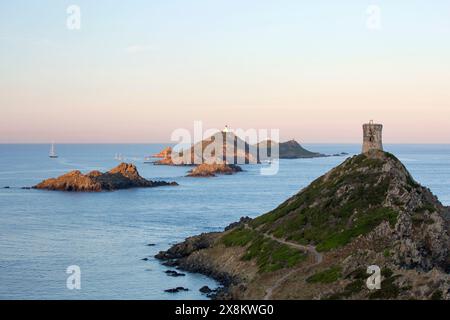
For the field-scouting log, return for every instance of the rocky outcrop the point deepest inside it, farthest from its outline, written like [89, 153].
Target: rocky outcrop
[287, 150]
[190, 245]
[176, 290]
[211, 170]
[165, 153]
[225, 146]
[318, 244]
[124, 176]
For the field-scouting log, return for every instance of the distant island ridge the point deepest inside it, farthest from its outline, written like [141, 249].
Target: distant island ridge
[239, 150]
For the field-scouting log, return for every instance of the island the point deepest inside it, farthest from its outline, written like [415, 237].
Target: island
[287, 150]
[237, 150]
[165, 153]
[124, 176]
[218, 147]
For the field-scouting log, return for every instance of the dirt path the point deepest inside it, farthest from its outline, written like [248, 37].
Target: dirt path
[318, 258]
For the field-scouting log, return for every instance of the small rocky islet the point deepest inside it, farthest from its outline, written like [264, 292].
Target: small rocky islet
[211, 170]
[124, 176]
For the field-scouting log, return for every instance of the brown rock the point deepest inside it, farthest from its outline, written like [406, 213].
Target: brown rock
[123, 176]
[210, 170]
[165, 153]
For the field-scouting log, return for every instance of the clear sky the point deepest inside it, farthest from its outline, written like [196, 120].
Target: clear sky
[137, 70]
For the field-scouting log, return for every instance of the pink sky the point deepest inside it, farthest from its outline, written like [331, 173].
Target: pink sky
[314, 72]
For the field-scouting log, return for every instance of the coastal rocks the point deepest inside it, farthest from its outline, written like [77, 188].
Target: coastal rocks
[177, 289]
[173, 273]
[185, 248]
[205, 289]
[211, 170]
[165, 162]
[214, 294]
[165, 153]
[242, 221]
[124, 176]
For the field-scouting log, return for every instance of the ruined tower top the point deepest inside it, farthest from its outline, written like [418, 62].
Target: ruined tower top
[373, 138]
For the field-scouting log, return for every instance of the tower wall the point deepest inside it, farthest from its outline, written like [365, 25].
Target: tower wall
[373, 137]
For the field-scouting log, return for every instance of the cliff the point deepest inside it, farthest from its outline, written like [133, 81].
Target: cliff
[124, 176]
[319, 243]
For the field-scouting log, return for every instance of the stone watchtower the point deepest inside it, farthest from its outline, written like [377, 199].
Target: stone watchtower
[373, 138]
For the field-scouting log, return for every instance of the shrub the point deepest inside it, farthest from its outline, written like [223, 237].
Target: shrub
[326, 276]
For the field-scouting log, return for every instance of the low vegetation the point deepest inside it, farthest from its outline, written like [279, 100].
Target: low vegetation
[326, 276]
[268, 254]
[335, 208]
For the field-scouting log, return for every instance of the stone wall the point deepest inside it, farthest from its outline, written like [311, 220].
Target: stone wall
[373, 137]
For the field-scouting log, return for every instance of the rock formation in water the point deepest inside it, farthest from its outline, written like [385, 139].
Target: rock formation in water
[223, 146]
[287, 150]
[164, 154]
[124, 176]
[211, 170]
[319, 243]
[226, 144]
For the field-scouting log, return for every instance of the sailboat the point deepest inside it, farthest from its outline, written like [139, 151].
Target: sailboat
[52, 153]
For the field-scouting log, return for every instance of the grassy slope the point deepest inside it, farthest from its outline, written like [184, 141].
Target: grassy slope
[335, 208]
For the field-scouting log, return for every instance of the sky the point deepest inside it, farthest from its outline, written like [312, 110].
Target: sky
[138, 70]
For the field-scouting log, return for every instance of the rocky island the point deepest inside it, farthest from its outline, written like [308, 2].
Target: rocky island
[165, 153]
[319, 243]
[211, 170]
[236, 148]
[124, 176]
[289, 150]
[218, 146]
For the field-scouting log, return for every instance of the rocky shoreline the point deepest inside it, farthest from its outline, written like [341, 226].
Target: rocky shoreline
[184, 256]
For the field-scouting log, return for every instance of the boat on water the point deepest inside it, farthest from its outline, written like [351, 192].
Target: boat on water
[52, 153]
[148, 160]
[118, 157]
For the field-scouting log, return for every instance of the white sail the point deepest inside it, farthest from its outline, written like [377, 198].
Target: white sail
[52, 153]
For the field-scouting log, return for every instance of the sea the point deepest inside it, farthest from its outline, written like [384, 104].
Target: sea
[107, 235]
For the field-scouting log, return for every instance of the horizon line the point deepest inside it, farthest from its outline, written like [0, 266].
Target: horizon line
[140, 143]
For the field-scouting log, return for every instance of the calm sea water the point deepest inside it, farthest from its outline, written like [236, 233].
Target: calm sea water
[106, 234]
